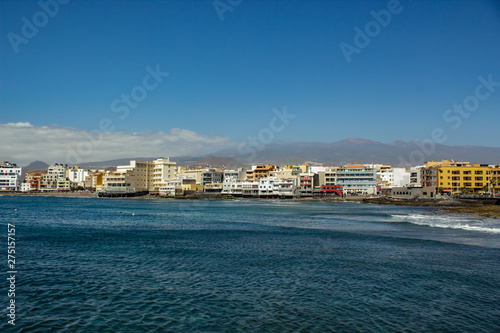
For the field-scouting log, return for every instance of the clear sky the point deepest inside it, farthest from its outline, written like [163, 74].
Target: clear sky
[228, 71]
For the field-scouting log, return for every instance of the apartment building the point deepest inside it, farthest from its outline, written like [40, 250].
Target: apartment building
[35, 179]
[142, 172]
[327, 176]
[463, 177]
[415, 176]
[272, 187]
[240, 188]
[163, 171]
[239, 174]
[77, 176]
[260, 171]
[393, 177]
[94, 180]
[307, 182]
[55, 172]
[357, 179]
[10, 177]
[211, 176]
[495, 179]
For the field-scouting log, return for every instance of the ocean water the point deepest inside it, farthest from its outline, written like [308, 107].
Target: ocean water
[132, 265]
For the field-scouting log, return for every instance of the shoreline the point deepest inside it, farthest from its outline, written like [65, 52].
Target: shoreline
[444, 205]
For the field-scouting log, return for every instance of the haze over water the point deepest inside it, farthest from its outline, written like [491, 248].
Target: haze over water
[89, 265]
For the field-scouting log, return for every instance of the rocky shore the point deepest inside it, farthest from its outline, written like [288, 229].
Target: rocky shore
[447, 205]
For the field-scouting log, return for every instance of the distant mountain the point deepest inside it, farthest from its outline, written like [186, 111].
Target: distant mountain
[357, 150]
[350, 150]
[181, 160]
[218, 162]
[37, 165]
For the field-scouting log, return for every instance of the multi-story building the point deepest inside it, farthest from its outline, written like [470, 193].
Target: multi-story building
[94, 181]
[307, 183]
[63, 184]
[36, 180]
[463, 177]
[239, 174]
[212, 188]
[260, 171]
[55, 172]
[393, 177]
[298, 169]
[327, 177]
[278, 188]
[283, 173]
[25, 187]
[142, 172]
[163, 171]
[240, 188]
[120, 182]
[495, 179]
[171, 187]
[357, 179]
[179, 186]
[211, 176]
[429, 177]
[76, 176]
[415, 175]
[148, 175]
[456, 177]
[10, 177]
[184, 172]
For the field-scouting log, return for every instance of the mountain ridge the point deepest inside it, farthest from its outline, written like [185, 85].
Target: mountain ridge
[396, 153]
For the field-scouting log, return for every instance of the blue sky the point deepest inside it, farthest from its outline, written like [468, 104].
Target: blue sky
[226, 76]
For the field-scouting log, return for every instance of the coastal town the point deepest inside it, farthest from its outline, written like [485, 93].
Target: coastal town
[163, 177]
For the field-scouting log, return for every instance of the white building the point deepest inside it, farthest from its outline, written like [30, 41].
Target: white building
[394, 177]
[357, 179]
[10, 177]
[240, 187]
[415, 179]
[170, 187]
[318, 168]
[77, 176]
[164, 170]
[278, 188]
[25, 187]
[239, 174]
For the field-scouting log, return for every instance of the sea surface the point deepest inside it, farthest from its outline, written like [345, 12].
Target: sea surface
[132, 265]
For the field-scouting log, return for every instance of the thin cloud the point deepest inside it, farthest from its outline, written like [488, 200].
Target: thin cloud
[23, 143]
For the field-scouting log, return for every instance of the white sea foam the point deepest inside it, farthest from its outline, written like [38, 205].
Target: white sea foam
[451, 222]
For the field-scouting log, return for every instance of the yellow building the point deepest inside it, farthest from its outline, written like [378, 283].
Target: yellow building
[298, 169]
[442, 162]
[495, 180]
[192, 187]
[463, 177]
[261, 171]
